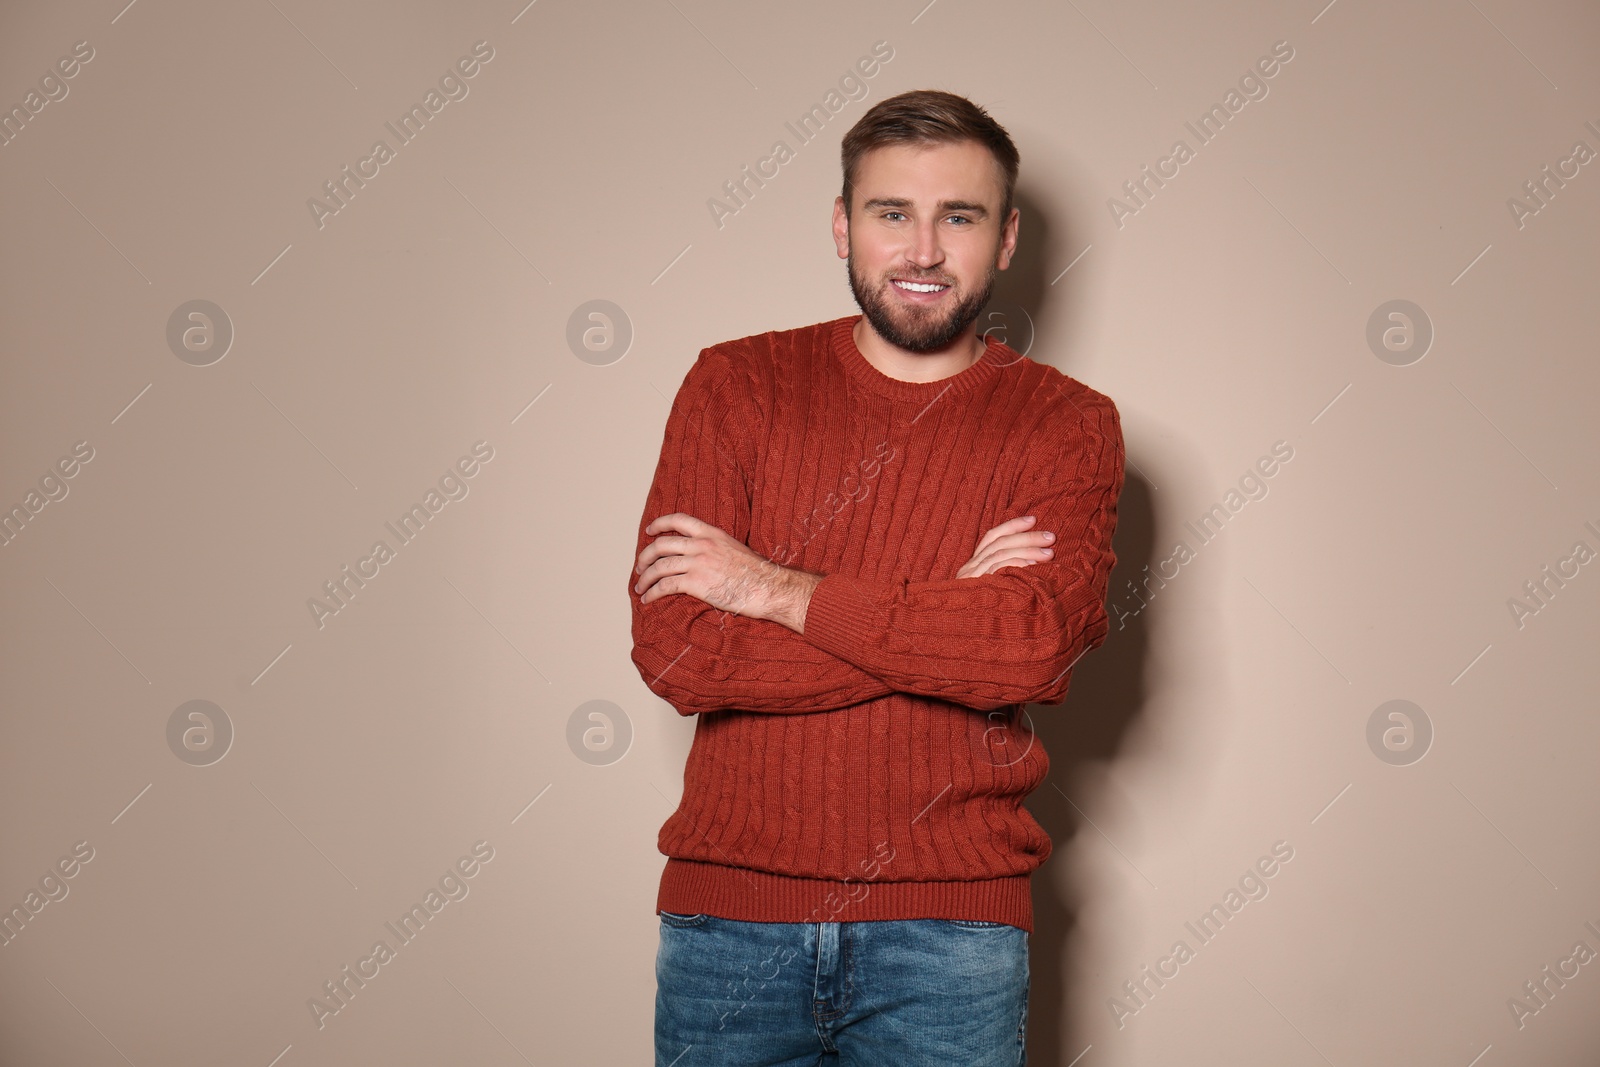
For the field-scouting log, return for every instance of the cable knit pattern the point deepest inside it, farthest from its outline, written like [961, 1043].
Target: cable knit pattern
[875, 766]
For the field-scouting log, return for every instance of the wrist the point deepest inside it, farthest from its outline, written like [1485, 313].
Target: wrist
[790, 596]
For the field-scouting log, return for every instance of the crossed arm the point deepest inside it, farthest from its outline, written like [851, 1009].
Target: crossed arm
[717, 626]
[706, 563]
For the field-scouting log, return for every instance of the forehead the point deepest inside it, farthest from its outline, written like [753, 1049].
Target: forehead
[959, 170]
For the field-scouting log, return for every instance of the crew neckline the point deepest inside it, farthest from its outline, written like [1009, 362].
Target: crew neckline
[849, 355]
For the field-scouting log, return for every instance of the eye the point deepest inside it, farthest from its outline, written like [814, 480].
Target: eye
[963, 218]
[886, 214]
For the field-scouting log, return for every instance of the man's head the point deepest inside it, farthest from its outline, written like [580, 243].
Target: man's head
[928, 184]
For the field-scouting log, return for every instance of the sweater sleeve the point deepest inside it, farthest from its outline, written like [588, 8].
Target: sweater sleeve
[696, 657]
[1012, 636]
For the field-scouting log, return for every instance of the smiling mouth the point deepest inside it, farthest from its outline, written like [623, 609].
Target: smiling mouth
[919, 287]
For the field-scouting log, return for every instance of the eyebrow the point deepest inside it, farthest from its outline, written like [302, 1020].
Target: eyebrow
[945, 206]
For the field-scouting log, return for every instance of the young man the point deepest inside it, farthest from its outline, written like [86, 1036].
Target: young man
[869, 543]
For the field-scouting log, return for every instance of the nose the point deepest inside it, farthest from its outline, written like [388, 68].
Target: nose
[924, 250]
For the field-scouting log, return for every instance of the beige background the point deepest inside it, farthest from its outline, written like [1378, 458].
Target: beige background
[369, 754]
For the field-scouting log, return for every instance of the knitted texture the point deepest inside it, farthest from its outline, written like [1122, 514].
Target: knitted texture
[874, 767]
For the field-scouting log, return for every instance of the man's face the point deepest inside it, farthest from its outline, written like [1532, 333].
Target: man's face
[925, 215]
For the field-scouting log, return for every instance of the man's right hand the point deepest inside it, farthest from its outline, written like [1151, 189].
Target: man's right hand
[1011, 544]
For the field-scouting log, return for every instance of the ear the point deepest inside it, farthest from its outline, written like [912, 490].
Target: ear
[1008, 240]
[841, 228]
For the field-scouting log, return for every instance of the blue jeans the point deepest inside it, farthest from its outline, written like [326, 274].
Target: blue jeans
[841, 994]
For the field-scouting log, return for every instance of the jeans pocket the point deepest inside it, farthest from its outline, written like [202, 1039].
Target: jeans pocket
[683, 921]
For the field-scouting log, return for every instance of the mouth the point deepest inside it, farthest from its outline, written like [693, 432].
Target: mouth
[920, 292]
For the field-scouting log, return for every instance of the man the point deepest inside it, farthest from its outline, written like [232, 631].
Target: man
[869, 543]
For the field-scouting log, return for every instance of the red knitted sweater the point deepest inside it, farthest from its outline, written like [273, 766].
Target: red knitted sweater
[875, 766]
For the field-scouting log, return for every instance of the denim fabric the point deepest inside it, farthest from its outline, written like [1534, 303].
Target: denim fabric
[927, 992]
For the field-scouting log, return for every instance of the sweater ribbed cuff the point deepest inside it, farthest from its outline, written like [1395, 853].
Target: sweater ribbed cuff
[841, 619]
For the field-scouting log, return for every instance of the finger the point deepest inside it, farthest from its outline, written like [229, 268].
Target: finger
[648, 584]
[999, 557]
[1026, 539]
[995, 542]
[1007, 527]
[1021, 522]
[665, 545]
[656, 591]
[678, 521]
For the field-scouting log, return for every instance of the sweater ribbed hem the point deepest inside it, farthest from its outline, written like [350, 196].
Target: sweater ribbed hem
[692, 887]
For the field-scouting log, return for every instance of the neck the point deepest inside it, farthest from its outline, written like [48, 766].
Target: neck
[908, 366]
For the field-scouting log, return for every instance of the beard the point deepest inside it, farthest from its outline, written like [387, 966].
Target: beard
[916, 328]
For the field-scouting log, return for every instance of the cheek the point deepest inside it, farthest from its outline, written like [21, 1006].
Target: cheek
[877, 252]
[973, 266]
[874, 261]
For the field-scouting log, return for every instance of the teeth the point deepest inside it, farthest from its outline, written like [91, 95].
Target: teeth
[916, 287]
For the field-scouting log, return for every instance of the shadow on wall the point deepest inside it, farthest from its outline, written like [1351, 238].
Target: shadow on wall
[1026, 284]
[1106, 697]
[1107, 692]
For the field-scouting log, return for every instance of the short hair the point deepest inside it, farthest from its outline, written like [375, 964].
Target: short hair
[928, 117]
